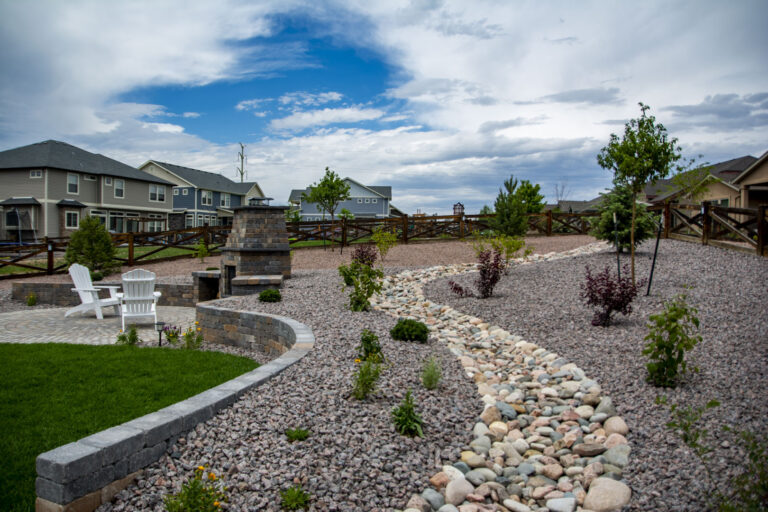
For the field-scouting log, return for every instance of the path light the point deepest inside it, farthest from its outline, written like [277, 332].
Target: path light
[458, 209]
[159, 328]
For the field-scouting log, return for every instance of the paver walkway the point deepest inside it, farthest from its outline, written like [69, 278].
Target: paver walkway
[49, 325]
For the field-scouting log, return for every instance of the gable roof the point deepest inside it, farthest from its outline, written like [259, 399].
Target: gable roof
[206, 180]
[383, 191]
[54, 154]
[727, 172]
[754, 165]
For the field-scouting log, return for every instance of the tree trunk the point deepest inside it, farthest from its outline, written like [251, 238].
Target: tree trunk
[632, 240]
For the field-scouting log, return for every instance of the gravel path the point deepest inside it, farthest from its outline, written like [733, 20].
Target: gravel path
[730, 289]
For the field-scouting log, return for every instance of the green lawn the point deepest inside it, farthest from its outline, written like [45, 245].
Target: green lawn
[53, 394]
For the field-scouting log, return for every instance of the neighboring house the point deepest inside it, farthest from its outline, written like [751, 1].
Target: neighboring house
[753, 183]
[590, 206]
[364, 203]
[202, 198]
[49, 186]
[721, 186]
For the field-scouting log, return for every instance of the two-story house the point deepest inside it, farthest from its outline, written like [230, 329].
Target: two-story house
[49, 186]
[202, 198]
[364, 202]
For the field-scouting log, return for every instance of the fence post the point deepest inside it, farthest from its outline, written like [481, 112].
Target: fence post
[130, 249]
[706, 223]
[762, 230]
[549, 222]
[49, 246]
[461, 226]
[405, 228]
[667, 219]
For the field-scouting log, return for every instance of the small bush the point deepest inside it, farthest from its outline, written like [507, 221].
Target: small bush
[294, 498]
[365, 379]
[384, 240]
[270, 295]
[201, 250]
[128, 338]
[32, 299]
[364, 280]
[491, 267]
[609, 294]
[192, 337]
[296, 434]
[619, 202]
[91, 245]
[407, 420]
[507, 246]
[671, 334]
[431, 373]
[364, 254]
[96, 276]
[201, 494]
[409, 330]
[370, 348]
[172, 333]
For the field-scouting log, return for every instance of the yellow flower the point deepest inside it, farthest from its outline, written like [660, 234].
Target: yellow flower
[216, 504]
[211, 476]
[357, 360]
[201, 468]
[199, 329]
[197, 323]
[120, 330]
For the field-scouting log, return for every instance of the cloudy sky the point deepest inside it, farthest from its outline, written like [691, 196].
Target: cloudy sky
[442, 100]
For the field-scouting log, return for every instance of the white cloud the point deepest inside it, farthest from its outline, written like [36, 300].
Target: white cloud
[191, 115]
[251, 104]
[305, 119]
[308, 99]
[164, 127]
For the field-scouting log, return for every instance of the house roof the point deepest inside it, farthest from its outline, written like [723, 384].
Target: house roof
[70, 202]
[580, 206]
[54, 154]
[20, 201]
[385, 192]
[727, 171]
[754, 165]
[207, 180]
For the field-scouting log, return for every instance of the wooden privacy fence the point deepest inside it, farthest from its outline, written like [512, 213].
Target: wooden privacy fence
[742, 229]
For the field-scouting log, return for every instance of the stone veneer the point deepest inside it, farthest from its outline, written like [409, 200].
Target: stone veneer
[82, 475]
[61, 294]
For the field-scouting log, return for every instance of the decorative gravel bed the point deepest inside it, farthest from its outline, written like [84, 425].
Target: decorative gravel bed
[541, 303]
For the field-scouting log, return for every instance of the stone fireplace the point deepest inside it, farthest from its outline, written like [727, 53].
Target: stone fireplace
[256, 255]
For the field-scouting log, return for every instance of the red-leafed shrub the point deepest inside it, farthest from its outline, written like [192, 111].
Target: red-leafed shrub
[492, 266]
[609, 293]
[365, 254]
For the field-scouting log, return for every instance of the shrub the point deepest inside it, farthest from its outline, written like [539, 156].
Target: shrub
[201, 494]
[407, 420]
[364, 254]
[32, 299]
[370, 348]
[609, 294]
[364, 280]
[201, 250]
[128, 338]
[172, 333]
[192, 337]
[513, 204]
[270, 295]
[294, 498]
[670, 336]
[491, 268]
[365, 379]
[619, 201]
[431, 373]
[506, 245]
[296, 434]
[407, 329]
[96, 276]
[91, 245]
[211, 268]
[384, 240]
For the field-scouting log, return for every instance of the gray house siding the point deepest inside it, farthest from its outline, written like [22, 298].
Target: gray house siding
[20, 184]
[184, 202]
[363, 203]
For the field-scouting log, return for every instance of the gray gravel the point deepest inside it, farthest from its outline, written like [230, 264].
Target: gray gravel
[730, 289]
[353, 459]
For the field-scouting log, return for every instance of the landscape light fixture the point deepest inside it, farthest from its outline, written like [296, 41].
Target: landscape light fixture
[159, 328]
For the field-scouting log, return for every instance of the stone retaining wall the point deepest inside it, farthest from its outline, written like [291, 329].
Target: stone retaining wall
[84, 474]
[61, 294]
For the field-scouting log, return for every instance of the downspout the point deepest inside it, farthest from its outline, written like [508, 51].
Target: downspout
[45, 203]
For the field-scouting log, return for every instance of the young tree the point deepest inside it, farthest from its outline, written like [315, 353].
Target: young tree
[619, 202]
[486, 210]
[643, 155]
[92, 246]
[328, 193]
[512, 204]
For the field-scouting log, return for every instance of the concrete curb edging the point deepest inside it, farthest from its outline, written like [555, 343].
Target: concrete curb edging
[86, 473]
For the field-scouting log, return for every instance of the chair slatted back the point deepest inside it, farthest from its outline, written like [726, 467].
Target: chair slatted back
[81, 277]
[138, 289]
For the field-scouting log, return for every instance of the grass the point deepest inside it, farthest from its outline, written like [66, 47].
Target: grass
[53, 394]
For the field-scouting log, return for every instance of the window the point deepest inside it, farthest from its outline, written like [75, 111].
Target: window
[90, 177]
[359, 200]
[36, 173]
[185, 192]
[189, 221]
[12, 219]
[225, 199]
[108, 181]
[73, 183]
[119, 188]
[99, 215]
[367, 200]
[724, 202]
[72, 220]
[175, 191]
[157, 193]
[206, 197]
[117, 222]
[374, 200]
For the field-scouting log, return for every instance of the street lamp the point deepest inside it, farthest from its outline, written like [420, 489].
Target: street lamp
[159, 328]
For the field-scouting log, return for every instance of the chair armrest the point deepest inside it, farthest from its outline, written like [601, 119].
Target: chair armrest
[157, 294]
[84, 290]
[112, 290]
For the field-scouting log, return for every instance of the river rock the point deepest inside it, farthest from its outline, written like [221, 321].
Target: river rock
[457, 490]
[606, 494]
[616, 425]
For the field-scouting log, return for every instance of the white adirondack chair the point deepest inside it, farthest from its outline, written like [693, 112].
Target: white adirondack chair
[89, 294]
[139, 298]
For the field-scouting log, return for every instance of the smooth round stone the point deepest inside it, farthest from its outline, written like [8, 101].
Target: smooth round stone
[480, 445]
[498, 429]
[520, 445]
[549, 392]
[515, 506]
[598, 417]
[472, 459]
[606, 494]
[553, 471]
[615, 440]
[588, 449]
[606, 406]
[448, 508]
[615, 425]
[480, 429]
[561, 504]
[618, 455]
[545, 431]
[508, 412]
[585, 411]
[525, 469]
[475, 477]
[586, 384]
[462, 467]
[488, 474]
[456, 491]
[454, 472]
